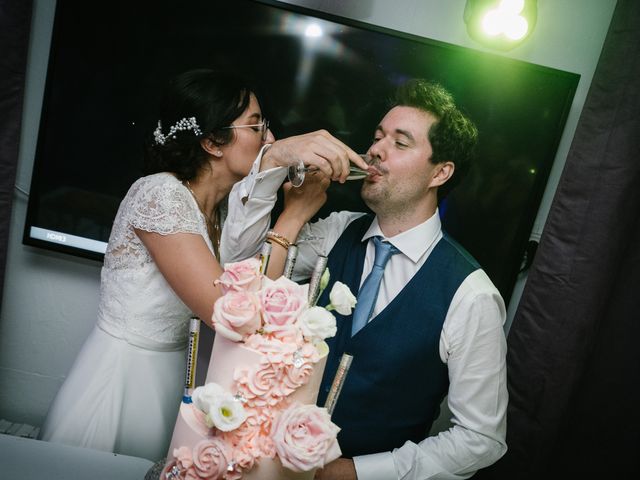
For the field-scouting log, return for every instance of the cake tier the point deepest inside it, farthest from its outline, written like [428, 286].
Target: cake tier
[226, 357]
[190, 430]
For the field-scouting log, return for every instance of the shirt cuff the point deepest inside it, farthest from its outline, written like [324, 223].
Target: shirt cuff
[377, 466]
[266, 184]
[262, 185]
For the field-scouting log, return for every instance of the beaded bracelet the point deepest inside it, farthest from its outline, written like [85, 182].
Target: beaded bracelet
[279, 239]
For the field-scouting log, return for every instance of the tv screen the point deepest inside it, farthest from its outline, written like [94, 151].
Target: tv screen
[314, 70]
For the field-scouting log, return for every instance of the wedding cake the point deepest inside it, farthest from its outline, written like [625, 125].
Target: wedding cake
[255, 417]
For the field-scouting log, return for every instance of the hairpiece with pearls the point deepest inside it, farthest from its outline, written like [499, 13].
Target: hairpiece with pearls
[182, 124]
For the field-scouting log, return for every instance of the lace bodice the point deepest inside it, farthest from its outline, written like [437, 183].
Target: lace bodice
[136, 302]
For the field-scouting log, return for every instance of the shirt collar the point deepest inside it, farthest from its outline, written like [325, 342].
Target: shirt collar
[414, 242]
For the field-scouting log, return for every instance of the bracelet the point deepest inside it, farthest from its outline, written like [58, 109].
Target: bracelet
[279, 239]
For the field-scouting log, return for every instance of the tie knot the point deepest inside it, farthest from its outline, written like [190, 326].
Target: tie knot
[384, 250]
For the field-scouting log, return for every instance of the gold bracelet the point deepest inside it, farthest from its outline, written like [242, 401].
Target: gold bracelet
[279, 239]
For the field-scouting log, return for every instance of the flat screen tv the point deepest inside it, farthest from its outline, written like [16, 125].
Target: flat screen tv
[315, 70]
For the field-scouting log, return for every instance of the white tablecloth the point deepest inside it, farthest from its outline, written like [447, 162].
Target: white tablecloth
[26, 459]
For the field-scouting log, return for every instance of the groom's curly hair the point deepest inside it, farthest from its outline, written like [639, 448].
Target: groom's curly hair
[453, 136]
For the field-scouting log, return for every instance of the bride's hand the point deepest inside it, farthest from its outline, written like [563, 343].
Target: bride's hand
[303, 202]
[316, 149]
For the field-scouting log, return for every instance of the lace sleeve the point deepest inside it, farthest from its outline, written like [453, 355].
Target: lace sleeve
[164, 207]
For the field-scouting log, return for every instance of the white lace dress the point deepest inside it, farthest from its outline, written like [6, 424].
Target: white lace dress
[123, 391]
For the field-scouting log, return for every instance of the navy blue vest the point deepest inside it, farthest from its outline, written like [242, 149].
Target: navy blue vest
[397, 380]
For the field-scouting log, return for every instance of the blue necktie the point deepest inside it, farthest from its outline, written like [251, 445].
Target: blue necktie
[369, 291]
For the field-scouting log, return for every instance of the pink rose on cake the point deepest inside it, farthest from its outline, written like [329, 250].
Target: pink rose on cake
[305, 438]
[244, 275]
[237, 315]
[282, 303]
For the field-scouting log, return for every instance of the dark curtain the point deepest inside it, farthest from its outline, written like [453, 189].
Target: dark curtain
[573, 358]
[15, 22]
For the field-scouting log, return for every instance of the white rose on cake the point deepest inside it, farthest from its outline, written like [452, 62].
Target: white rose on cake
[317, 323]
[341, 298]
[222, 409]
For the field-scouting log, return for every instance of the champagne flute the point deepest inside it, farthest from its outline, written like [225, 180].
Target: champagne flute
[296, 173]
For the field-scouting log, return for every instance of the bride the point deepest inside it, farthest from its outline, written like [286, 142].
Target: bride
[123, 391]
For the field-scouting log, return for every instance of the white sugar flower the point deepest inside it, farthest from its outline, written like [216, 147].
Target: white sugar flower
[341, 298]
[203, 397]
[317, 323]
[226, 413]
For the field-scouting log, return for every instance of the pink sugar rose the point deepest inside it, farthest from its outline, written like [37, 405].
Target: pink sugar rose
[305, 438]
[210, 458]
[261, 384]
[183, 462]
[244, 275]
[299, 367]
[296, 377]
[275, 350]
[289, 334]
[236, 315]
[244, 452]
[244, 437]
[282, 302]
[267, 447]
[246, 460]
[183, 457]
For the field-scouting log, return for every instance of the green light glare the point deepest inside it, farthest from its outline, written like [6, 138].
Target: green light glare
[506, 20]
[492, 23]
[516, 28]
[512, 7]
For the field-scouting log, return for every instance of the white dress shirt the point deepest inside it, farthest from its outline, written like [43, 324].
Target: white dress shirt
[472, 341]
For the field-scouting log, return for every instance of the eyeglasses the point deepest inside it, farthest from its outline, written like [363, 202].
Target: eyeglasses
[258, 127]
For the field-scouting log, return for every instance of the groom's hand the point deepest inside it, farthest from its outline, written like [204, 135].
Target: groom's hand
[340, 469]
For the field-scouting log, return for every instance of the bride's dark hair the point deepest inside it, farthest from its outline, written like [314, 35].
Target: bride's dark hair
[214, 100]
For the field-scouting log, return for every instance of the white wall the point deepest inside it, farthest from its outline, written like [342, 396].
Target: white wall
[50, 300]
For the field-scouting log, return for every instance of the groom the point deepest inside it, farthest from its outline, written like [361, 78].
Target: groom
[428, 323]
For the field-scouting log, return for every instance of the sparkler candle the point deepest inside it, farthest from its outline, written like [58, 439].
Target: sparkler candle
[316, 277]
[192, 359]
[292, 253]
[265, 253]
[338, 381]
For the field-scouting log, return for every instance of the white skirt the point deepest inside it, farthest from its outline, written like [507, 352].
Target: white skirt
[119, 398]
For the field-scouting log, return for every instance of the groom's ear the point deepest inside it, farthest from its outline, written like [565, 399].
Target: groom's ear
[442, 173]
